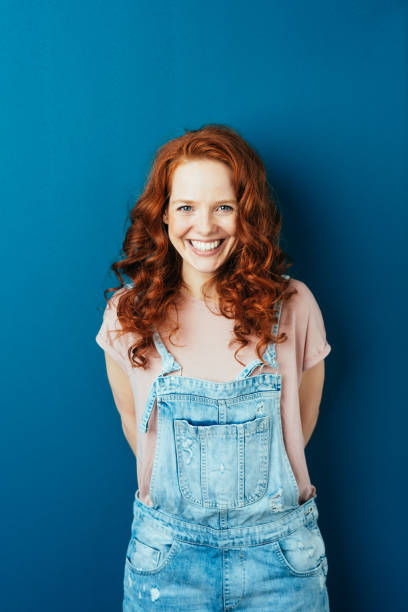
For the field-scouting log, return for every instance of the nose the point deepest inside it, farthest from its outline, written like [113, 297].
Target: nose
[205, 223]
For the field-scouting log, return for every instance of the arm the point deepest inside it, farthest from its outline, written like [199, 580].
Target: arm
[123, 397]
[310, 395]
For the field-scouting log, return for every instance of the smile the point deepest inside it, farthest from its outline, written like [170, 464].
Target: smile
[205, 248]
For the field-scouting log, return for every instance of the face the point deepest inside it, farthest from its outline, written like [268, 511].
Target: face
[201, 217]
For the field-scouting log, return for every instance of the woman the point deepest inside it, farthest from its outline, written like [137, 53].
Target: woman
[225, 515]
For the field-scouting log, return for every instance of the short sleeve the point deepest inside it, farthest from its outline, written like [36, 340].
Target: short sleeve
[116, 345]
[316, 345]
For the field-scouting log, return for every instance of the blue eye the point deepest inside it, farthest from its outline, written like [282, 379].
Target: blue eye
[225, 206]
[230, 207]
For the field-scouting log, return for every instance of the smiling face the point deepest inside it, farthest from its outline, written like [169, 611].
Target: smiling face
[201, 217]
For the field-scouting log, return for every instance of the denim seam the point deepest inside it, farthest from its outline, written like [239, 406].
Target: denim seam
[168, 521]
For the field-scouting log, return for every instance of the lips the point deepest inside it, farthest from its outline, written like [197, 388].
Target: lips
[206, 253]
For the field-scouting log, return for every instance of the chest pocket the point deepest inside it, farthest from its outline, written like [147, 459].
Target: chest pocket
[223, 466]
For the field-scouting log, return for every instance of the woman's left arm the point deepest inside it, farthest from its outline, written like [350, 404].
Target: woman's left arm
[310, 395]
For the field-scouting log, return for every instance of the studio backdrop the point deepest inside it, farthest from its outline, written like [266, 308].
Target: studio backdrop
[90, 90]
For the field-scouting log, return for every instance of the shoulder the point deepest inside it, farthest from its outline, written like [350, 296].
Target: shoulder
[305, 320]
[111, 321]
[301, 301]
[112, 304]
[302, 310]
[114, 344]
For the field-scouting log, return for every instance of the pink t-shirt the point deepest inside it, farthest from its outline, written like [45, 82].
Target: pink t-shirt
[305, 346]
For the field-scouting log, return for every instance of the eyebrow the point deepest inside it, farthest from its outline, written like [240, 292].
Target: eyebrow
[193, 202]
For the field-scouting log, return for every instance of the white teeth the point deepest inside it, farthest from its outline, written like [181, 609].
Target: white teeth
[205, 246]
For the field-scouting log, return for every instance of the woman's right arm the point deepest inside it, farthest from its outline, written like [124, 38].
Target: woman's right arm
[123, 397]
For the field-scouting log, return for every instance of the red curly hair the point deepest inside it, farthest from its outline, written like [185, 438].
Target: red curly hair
[249, 283]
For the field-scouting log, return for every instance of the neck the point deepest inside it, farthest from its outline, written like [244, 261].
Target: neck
[196, 293]
[194, 281]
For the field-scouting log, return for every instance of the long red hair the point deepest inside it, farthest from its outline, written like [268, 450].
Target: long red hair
[249, 282]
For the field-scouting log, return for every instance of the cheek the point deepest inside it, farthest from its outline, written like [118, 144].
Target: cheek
[231, 227]
[178, 227]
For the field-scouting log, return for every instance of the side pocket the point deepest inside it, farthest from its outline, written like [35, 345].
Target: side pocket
[303, 551]
[144, 558]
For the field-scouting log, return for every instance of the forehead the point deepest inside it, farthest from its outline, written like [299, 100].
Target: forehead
[202, 178]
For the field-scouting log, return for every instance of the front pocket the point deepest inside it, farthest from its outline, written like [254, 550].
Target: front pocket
[303, 551]
[223, 466]
[143, 558]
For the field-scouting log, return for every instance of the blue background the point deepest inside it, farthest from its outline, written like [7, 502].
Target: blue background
[90, 90]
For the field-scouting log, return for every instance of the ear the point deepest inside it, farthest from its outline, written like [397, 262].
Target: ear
[165, 217]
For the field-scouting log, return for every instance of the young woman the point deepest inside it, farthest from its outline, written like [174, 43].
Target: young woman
[216, 405]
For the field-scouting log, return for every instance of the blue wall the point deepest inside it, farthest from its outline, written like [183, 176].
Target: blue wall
[89, 91]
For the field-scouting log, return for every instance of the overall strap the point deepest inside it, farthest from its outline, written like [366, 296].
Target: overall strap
[169, 364]
[270, 352]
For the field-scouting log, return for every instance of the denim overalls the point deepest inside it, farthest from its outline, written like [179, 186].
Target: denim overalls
[225, 531]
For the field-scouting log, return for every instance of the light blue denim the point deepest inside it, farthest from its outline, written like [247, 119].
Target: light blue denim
[225, 531]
